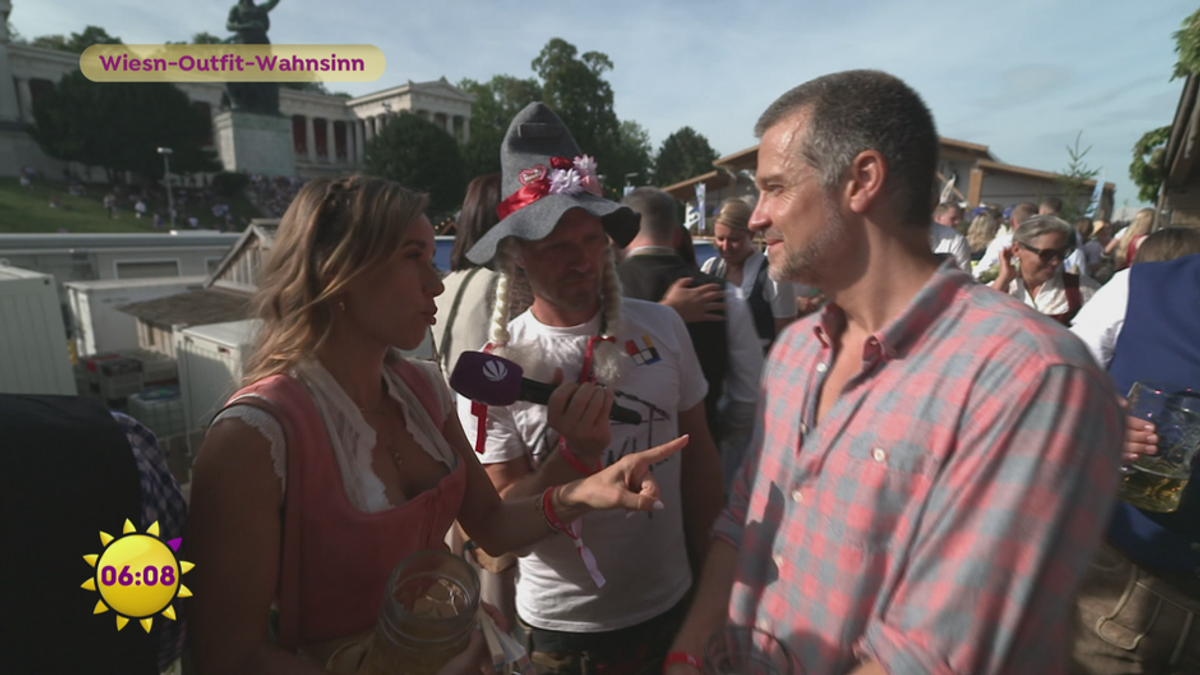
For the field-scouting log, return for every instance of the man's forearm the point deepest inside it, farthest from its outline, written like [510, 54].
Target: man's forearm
[711, 604]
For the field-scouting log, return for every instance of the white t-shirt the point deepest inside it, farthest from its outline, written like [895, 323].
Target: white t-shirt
[781, 295]
[1100, 321]
[991, 256]
[946, 239]
[643, 558]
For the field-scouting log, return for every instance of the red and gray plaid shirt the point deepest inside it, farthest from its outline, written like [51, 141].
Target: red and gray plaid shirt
[941, 515]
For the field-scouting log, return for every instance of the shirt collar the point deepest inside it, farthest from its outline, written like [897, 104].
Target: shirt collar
[904, 331]
[651, 250]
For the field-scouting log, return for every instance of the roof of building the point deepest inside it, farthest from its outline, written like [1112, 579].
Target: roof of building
[261, 230]
[83, 241]
[988, 165]
[106, 284]
[194, 308]
[1180, 157]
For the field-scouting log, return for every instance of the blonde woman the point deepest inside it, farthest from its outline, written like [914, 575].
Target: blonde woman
[1124, 248]
[339, 458]
[981, 231]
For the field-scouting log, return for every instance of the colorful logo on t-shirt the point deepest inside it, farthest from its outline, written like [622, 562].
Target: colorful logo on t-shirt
[642, 355]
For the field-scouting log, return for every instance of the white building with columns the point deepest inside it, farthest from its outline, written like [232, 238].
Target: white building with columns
[329, 133]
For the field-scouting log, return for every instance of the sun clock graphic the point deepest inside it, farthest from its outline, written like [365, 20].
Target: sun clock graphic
[137, 576]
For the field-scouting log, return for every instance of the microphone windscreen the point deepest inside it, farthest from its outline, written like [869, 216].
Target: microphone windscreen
[487, 378]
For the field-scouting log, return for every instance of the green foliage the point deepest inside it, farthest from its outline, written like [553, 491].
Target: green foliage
[632, 154]
[1187, 46]
[418, 154]
[201, 38]
[575, 87]
[13, 35]
[683, 154]
[228, 184]
[1147, 170]
[77, 42]
[496, 103]
[1073, 181]
[120, 125]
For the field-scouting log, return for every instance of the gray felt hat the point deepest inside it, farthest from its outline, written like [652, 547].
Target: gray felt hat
[536, 135]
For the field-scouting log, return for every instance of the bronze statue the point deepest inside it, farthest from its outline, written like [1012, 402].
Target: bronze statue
[249, 23]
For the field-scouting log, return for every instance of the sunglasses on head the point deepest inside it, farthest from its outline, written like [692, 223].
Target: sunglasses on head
[1048, 254]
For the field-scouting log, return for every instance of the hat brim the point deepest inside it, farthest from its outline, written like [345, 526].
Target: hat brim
[537, 220]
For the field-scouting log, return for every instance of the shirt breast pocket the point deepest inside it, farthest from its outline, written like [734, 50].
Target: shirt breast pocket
[878, 488]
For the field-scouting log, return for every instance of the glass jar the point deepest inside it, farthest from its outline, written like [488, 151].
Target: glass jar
[427, 617]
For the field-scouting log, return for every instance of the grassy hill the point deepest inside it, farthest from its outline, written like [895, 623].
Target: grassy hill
[28, 210]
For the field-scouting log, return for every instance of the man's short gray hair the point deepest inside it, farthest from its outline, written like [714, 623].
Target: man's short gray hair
[660, 214]
[858, 110]
[1039, 225]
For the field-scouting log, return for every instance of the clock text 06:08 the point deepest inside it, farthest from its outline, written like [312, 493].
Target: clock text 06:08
[149, 575]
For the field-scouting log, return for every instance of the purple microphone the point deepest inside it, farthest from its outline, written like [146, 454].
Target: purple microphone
[493, 380]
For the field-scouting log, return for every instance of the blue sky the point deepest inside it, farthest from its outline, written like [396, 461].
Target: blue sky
[1021, 76]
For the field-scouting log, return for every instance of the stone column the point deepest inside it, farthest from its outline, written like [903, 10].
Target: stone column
[26, 96]
[466, 129]
[330, 142]
[310, 139]
[360, 145]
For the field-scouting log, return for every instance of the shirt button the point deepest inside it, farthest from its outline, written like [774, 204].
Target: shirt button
[803, 428]
[879, 454]
[821, 367]
[797, 497]
[778, 559]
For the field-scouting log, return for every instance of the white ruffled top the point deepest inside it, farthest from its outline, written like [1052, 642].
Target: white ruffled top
[350, 436]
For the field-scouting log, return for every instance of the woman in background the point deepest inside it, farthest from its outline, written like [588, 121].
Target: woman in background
[465, 307]
[981, 231]
[1031, 270]
[1124, 247]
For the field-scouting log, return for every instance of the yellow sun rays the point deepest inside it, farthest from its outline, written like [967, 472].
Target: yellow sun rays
[165, 555]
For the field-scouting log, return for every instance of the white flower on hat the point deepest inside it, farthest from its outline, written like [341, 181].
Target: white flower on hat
[565, 182]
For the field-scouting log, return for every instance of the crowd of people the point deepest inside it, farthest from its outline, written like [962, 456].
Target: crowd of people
[887, 437]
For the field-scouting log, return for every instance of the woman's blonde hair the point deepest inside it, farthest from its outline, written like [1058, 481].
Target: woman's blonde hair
[1168, 243]
[1142, 222]
[982, 230]
[333, 231]
[735, 213]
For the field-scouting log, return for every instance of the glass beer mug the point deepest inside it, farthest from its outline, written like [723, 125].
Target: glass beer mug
[1156, 482]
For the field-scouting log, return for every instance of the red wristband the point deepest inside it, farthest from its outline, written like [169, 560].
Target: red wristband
[682, 657]
[574, 461]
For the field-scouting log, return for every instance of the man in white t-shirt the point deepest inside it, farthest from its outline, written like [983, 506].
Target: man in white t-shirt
[616, 602]
[944, 237]
[772, 302]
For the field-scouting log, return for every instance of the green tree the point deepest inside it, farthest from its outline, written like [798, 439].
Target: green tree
[496, 103]
[1073, 181]
[632, 154]
[684, 154]
[418, 154]
[575, 87]
[1147, 170]
[120, 125]
[77, 42]
[201, 38]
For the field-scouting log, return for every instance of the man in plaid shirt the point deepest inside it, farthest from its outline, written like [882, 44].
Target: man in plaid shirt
[936, 462]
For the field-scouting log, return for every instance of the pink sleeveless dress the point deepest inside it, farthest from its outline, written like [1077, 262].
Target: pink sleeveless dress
[335, 559]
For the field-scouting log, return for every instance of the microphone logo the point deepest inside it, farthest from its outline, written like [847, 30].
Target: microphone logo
[495, 371]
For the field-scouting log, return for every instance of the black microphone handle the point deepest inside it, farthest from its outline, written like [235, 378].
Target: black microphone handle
[533, 391]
